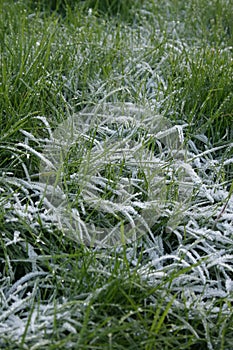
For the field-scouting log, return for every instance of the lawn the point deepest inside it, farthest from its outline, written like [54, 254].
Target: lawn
[116, 174]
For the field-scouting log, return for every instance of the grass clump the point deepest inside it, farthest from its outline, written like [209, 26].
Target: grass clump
[116, 175]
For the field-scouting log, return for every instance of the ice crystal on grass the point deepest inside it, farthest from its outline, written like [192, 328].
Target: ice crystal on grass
[116, 219]
[192, 257]
[130, 183]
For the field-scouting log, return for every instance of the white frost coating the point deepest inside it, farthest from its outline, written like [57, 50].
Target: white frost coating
[38, 154]
[117, 135]
[22, 280]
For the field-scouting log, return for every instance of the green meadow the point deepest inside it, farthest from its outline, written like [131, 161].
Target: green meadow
[116, 174]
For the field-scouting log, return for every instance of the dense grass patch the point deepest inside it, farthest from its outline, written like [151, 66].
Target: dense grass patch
[116, 121]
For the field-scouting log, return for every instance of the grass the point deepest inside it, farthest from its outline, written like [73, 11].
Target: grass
[116, 175]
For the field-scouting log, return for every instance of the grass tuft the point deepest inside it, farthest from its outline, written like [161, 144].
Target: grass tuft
[116, 175]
